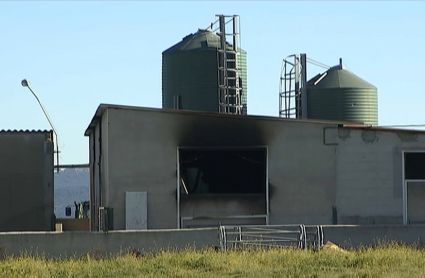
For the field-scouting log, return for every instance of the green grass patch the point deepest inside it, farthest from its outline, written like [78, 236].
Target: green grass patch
[388, 260]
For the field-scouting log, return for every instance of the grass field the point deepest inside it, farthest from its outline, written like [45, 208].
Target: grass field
[389, 260]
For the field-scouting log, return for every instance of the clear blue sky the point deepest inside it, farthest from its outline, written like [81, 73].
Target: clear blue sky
[80, 54]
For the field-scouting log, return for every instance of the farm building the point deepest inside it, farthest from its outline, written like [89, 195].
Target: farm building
[161, 169]
[26, 181]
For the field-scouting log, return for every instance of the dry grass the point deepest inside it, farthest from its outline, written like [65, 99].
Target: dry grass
[389, 260]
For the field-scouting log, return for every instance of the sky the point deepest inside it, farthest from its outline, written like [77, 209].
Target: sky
[78, 54]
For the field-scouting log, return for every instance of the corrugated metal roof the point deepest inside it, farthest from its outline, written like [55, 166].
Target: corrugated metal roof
[24, 131]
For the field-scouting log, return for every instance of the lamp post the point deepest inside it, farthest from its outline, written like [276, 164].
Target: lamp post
[25, 83]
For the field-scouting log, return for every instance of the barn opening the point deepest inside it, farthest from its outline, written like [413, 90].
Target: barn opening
[229, 171]
[222, 185]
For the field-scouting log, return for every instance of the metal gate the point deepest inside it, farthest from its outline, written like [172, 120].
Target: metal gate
[300, 236]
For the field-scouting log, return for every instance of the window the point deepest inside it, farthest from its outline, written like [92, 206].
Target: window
[414, 165]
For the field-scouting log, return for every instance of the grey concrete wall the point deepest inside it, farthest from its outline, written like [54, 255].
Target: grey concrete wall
[67, 244]
[301, 174]
[369, 175]
[26, 181]
[142, 156]
[353, 236]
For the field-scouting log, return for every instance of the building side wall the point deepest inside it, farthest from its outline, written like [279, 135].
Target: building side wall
[49, 186]
[94, 142]
[301, 174]
[142, 156]
[26, 182]
[92, 182]
[370, 175]
[104, 159]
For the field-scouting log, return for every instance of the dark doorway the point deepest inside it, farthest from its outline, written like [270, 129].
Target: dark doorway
[223, 171]
[414, 180]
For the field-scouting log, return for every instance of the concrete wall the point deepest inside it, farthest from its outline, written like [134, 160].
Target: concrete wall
[139, 153]
[26, 181]
[98, 244]
[370, 175]
[353, 236]
[301, 173]
[68, 244]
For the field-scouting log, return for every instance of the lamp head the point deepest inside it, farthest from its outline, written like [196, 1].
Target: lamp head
[24, 83]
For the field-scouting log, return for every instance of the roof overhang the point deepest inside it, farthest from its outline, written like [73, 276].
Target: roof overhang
[344, 124]
[103, 107]
[382, 128]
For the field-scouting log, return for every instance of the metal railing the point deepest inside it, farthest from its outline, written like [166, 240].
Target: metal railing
[300, 236]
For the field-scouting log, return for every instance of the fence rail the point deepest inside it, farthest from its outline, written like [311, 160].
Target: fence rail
[300, 236]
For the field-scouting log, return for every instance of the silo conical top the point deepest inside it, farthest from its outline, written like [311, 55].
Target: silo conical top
[340, 95]
[201, 40]
[337, 77]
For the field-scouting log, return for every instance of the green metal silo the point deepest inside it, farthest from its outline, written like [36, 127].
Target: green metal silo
[190, 73]
[340, 95]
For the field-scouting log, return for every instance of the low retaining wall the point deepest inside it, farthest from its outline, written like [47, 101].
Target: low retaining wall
[353, 236]
[66, 244]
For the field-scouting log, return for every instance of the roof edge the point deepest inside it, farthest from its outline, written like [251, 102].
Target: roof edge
[102, 107]
[382, 128]
[351, 125]
[25, 131]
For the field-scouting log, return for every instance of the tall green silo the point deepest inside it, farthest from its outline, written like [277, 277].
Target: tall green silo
[340, 95]
[190, 73]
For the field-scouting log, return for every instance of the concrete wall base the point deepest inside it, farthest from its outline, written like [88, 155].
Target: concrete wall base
[101, 244]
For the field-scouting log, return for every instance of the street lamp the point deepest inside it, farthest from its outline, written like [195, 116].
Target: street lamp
[25, 83]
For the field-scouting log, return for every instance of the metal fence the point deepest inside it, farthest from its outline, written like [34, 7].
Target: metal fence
[300, 236]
